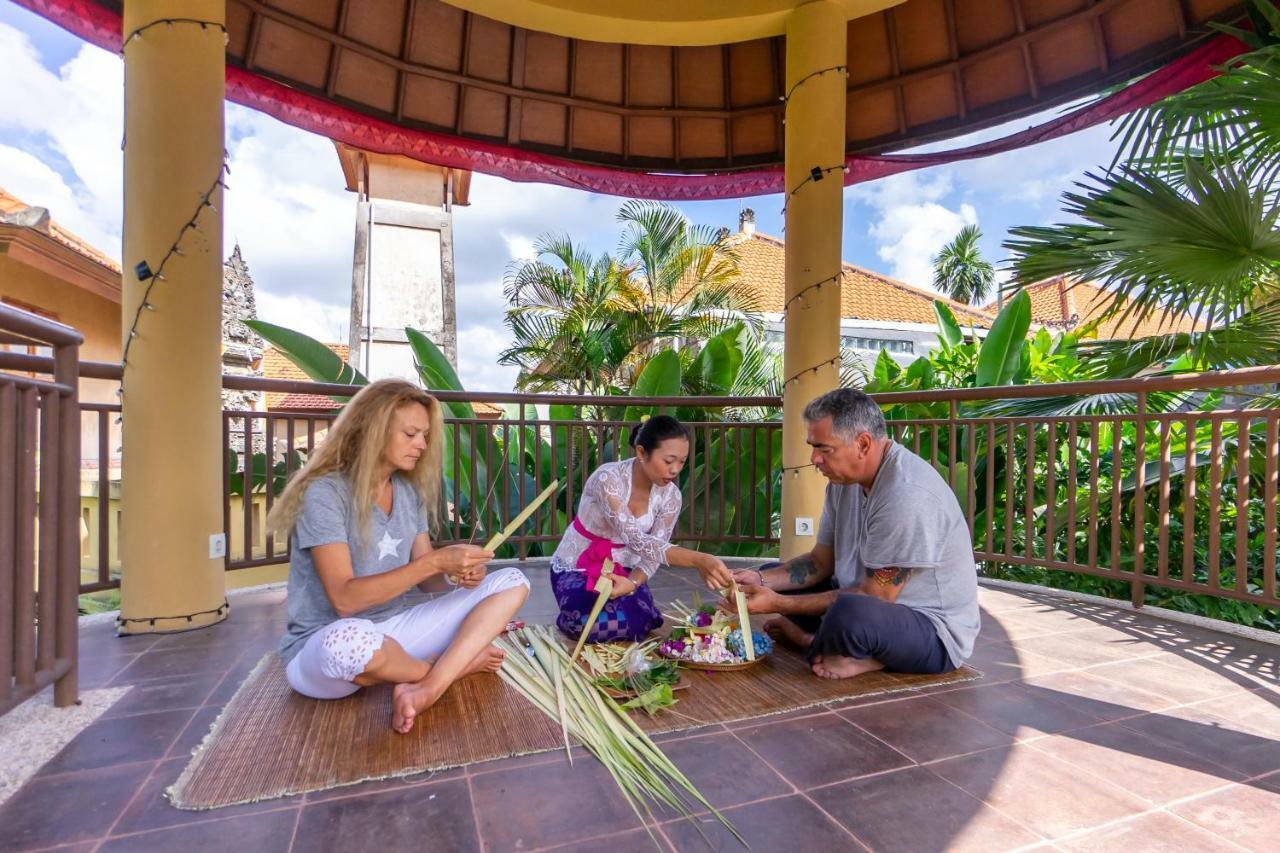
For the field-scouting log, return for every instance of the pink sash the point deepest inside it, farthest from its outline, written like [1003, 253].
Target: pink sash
[597, 551]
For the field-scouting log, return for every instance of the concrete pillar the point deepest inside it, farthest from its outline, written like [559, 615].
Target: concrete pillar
[815, 137]
[171, 488]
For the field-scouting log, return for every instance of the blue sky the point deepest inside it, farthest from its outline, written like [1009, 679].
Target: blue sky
[60, 127]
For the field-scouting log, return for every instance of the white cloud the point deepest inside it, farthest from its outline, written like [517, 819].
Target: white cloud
[73, 119]
[478, 368]
[324, 321]
[911, 223]
[520, 247]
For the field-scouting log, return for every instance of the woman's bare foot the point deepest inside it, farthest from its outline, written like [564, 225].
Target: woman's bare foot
[489, 660]
[784, 630]
[838, 666]
[408, 701]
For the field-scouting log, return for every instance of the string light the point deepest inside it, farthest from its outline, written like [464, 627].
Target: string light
[204, 25]
[796, 469]
[816, 174]
[806, 78]
[817, 285]
[143, 270]
[814, 369]
[121, 621]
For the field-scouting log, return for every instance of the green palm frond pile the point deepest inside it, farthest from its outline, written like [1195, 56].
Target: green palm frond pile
[538, 666]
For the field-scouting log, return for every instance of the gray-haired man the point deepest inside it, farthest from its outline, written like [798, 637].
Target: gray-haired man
[891, 583]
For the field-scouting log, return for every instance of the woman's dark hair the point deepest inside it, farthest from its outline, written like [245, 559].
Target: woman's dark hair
[651, 432]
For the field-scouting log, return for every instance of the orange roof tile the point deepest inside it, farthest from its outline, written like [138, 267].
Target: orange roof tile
[276, 365]
[864, 295]
[1057, 303]
[10, 203]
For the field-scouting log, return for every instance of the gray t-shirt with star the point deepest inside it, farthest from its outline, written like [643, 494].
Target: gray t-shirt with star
[327, 517]
[909, 520]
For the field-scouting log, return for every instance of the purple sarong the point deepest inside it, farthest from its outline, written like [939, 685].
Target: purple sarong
[628, 617]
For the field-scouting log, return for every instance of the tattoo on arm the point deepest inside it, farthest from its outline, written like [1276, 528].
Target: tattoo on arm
[801, 569]
[890, 577]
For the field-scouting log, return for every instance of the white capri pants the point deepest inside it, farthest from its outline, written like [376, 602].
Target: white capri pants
[333, 656]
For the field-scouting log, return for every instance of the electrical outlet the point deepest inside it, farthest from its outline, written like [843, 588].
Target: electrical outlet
[804, 526]
[217, 546]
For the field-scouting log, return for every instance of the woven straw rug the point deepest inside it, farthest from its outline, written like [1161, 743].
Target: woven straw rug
[271, 742]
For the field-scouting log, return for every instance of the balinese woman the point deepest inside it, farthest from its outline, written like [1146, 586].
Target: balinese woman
[358, 516]
[626, 515]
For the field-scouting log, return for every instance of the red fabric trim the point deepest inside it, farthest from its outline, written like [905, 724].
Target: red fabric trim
[94, 23]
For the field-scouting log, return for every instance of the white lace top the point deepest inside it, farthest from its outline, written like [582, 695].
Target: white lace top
[604, 510]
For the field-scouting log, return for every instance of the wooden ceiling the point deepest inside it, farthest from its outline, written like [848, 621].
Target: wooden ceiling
[921, 70]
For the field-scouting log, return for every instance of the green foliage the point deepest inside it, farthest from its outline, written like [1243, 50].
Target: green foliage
[1000, 357]
[312, 357]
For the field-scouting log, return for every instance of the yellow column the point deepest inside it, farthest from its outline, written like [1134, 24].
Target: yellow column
[171, 487]
[815, 138]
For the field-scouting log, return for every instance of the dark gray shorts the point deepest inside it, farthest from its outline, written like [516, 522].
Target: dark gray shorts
[862, 626]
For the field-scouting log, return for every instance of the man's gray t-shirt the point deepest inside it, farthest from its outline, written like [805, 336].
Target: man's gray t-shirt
[909, 520]
[328, 516]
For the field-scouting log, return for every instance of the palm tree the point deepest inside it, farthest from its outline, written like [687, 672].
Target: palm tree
[1185, 221]
[686, 275]
[959, 270]
[587, 324]
[565, 318]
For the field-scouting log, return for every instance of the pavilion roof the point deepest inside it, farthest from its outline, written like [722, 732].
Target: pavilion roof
[434, 81]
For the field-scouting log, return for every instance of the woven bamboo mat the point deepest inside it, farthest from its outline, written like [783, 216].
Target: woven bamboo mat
[271, 742]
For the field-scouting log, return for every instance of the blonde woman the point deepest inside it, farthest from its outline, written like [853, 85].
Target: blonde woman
[357, 514]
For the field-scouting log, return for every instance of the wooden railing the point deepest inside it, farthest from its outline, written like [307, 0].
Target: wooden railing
[39, 479]
[1057, 491]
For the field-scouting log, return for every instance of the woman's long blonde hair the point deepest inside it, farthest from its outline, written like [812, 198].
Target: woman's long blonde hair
[354, 448]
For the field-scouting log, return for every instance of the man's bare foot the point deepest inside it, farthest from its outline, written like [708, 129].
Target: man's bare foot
[784, 630]
[407, 702]
[489, 660]
[838, 666]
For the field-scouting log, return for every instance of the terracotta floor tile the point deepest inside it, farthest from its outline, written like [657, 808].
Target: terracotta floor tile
[913, 809]
[69, 808]
[151, 810]
[725, 771]
[545, 804]
[1086, 648]
[1150, 833]
[1040, 792]
[632, 841]
[783, 825]
[1016, 710]
[1246, 814]
[1141, 766]
[926, 730]
[271, 832]
[120, 740]
[164, 694]
[178, 662]
[1179, 683]
[194, 733]
[1212, 738]
[1100, 697]
[819, 750]
[437, 817]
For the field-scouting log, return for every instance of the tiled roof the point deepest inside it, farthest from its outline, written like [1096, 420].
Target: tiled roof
[1059, 304]
[864, 295]
[276, 365]
[10, 203]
